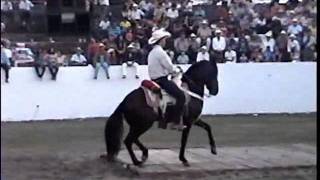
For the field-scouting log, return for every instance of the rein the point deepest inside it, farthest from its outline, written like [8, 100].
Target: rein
[189, 80]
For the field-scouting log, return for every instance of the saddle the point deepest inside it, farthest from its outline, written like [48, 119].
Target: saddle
[159, 100]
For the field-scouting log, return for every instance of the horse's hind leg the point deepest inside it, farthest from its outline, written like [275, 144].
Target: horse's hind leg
[207, 127]
[132, 137]
[143, 149]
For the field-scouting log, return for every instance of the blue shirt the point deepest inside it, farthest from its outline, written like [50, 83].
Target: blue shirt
[4, 58]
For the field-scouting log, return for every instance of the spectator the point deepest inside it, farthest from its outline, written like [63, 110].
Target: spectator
[7, 50]
[204, 32]
[92, 50]
[61, 59]
[268, 55]
[172, 12]
[6, 5]
[199, 12]
[183, 58]
[295, 28]
[114, 30]
[25, 7]
[230, 55]
[203, 54]
[101, 60]
[159, 12]
[5, 63]
[125, 24]
[181, 44]
[218, 46]
[243, 45]
[294, 48]
[103, 28]
[259, 24]
[243, 58]
[276, 26]
[282, 45]
[132, 56]
[267, 40]
[121, 46]
[136, 14]
[40, 64]
[51, 59]
[308, 47]
[78, 59]
[193, 48]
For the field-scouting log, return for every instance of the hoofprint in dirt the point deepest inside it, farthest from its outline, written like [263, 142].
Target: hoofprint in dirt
[70, 149]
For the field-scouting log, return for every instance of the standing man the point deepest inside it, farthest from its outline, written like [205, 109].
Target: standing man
[159, 67]
[218, 46]
[5, 63]
[132, 56]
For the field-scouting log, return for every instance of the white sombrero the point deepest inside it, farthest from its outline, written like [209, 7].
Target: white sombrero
[269, 34]
[131, 45]
[157, 35]
[193, 35]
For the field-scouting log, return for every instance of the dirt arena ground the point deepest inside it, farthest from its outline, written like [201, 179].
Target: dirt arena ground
[69, 150]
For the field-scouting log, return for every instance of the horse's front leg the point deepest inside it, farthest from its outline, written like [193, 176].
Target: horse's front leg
[184, 138]
[207, 127]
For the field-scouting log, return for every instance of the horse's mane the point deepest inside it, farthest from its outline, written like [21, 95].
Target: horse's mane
[201, 68]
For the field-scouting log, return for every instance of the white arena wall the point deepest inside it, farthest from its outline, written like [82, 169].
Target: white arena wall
[243, 88]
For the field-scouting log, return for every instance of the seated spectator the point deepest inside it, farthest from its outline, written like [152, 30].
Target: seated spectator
[8, 51]
[61, 59]
[132, 56]
[243, 58]
[78, 59]
[39, 63]
[294, 48]
[218, 46]
[5, 63]
[25, 7]
[172, 12]
[101, 60]
[183, 58]
[121, 46]
[193, 48]
[199, 12]
[267, 40]
[243, 45]
[204, 32]
[308, 47]
[6, 5]
[103, 28]
[136, 14]
[203, 54]
[159, 12]
[230, 55]
[295, 28]
[268, 55]
[125, 24]
[93, 48]
[181, 44]
[114, 30]
[281, 44]
[52, 62]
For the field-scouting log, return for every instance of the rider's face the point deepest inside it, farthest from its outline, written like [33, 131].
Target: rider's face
[163, 42]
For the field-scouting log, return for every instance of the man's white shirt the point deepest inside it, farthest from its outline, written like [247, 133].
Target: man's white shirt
[218, 45]
[25, 5]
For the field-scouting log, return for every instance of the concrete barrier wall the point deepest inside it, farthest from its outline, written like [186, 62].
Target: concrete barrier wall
[243, 88]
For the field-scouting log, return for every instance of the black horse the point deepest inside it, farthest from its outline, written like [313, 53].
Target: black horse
[141, 117]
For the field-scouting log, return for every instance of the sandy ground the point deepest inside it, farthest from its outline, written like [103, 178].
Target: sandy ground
[69, 150]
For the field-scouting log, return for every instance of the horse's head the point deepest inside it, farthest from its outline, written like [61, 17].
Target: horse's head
[205, 73]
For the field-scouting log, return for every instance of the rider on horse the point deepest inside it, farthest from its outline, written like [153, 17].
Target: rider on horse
[159, 67]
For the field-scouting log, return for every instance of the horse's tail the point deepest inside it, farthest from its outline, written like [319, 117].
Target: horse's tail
[113, 132]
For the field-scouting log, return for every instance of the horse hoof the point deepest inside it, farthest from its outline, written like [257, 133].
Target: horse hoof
[186, 164]
[214, 151]
[144, 159]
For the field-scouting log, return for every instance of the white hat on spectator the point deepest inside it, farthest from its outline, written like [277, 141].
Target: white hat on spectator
[157, 35]
[204, 21]
[204, 47]
[292, 36]
[283, 32]
[101, 45]
[193, 35]
[247, 37]
[131, 45]
[269, 34]
[213, 26]
[218, 31]
[134, 5]
[294, 20]
[110, 50]
[21, 44]
[219, 3]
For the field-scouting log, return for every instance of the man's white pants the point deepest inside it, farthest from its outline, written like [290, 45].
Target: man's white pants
[125, 65]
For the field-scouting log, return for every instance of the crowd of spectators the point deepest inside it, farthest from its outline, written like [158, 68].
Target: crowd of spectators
[237, 31]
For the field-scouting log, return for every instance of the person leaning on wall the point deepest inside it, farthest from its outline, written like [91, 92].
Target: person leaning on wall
[5, 63]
